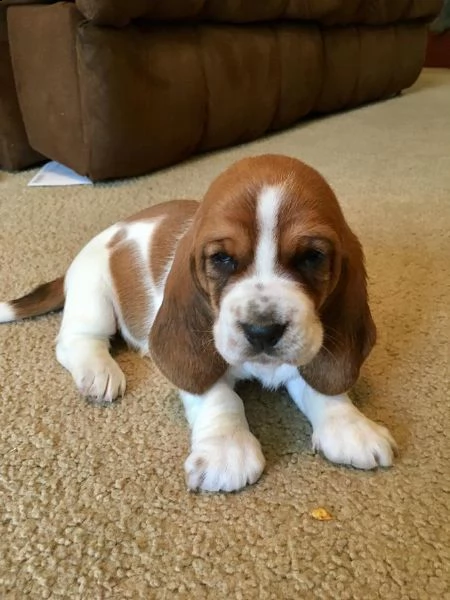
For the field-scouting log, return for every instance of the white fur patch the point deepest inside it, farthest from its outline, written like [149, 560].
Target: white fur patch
[340, 431]
[270, 376]
[267, 218]
[89, 321]
[7, 313]
[225, 455]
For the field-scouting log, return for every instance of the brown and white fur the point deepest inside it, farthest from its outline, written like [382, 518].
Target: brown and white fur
[264, 280]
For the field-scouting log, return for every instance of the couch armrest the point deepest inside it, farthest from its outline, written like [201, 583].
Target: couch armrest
[15, 150]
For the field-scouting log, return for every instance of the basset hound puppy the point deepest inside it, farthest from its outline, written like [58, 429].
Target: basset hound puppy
[263, 279]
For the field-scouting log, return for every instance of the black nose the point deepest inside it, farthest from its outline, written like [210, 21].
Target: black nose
[263, 337]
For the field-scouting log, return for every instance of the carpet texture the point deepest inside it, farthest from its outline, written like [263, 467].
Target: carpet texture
[93, 503]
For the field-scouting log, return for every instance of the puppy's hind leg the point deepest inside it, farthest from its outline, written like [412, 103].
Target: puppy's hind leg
[89, 322]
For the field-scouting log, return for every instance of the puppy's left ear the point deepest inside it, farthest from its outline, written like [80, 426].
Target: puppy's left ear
[181, 339]
[349, 330]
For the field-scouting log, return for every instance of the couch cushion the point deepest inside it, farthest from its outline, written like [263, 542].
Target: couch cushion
[329, 12]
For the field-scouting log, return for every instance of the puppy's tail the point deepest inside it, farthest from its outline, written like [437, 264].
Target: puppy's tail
[43, 299]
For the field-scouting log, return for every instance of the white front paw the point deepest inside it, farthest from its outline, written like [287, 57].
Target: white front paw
[224, 462]
[100, 379]
[348, 437]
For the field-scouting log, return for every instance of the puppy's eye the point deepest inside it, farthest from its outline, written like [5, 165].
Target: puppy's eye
[310, 259]
[224, 262]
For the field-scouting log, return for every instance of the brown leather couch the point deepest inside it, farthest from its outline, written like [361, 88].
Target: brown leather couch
[114, 88]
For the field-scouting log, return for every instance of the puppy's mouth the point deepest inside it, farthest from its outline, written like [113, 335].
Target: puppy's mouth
[265, 358]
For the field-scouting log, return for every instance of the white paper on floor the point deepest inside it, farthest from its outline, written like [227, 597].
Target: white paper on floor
[54, 173]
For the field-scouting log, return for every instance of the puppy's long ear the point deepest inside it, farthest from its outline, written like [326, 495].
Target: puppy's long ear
[350, 332]
[181, 338]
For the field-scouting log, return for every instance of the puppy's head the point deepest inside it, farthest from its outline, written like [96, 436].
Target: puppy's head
[280, 274]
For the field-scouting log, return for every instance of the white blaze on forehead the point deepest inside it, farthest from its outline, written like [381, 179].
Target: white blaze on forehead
[267, 209]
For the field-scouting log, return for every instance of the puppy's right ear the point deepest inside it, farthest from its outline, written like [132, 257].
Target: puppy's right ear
[181, 339]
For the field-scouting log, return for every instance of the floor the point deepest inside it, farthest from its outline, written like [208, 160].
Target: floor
[93, 502]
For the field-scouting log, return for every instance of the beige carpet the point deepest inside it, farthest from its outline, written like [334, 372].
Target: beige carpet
[92, 500]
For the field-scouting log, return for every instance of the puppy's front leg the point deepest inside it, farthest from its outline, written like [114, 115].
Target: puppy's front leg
[341, 431]
[225, 455]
